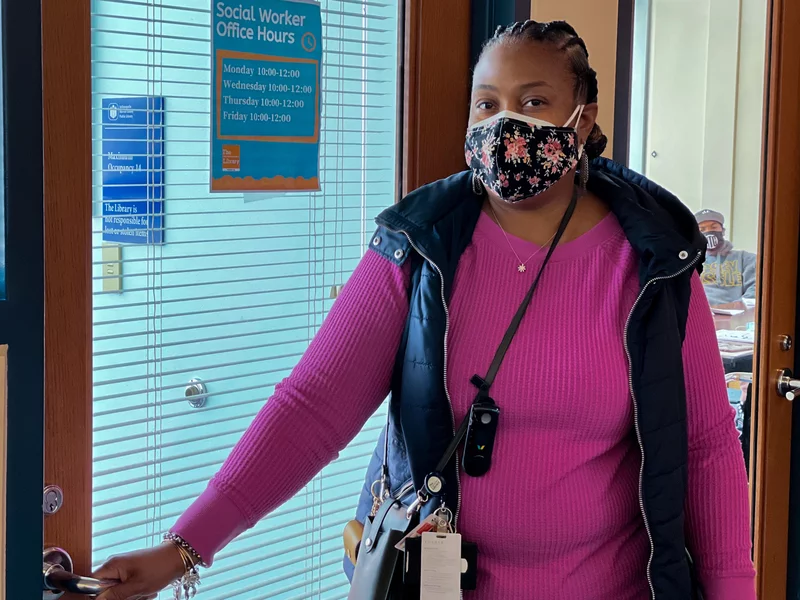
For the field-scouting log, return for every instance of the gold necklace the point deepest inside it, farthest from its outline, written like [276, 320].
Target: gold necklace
[522, 264]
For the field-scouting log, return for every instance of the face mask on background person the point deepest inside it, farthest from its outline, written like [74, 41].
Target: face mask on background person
[519, 157]
[714, 240]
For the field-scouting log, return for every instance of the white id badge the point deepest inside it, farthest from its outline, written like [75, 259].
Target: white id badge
[440, 576]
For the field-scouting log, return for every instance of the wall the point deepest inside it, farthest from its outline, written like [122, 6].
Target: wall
[748, 148]
[677, 97]
[704, 105]
[596, 22]
[697, 104]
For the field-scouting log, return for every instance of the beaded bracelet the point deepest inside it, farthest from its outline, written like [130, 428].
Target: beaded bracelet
[181, 543]
[185, 588]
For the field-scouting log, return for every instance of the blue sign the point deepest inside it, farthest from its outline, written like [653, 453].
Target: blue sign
[265, 100]
[133, 170]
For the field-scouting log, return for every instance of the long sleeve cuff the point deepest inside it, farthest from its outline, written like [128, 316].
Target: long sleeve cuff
[729, 588]
[210, 523]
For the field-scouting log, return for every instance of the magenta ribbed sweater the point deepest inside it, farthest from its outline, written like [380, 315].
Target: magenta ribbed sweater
[558, 515]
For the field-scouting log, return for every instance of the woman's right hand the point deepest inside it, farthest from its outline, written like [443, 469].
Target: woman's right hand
[143, 574]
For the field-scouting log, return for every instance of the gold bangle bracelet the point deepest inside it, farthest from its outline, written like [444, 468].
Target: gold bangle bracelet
[196, 559]
[185, 588]
[188, 559]
[178, 550]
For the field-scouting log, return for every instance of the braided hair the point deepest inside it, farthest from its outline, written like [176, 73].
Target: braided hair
[562, 35]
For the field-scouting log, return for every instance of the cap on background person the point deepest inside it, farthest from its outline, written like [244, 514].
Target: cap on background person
[712, 225]
[710, 215]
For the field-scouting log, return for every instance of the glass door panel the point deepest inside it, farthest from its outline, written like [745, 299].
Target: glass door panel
[191, 334]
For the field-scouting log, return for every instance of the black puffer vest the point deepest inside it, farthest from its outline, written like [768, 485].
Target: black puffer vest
[431, 228]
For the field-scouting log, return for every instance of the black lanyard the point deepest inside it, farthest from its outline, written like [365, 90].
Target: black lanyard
[480, 425]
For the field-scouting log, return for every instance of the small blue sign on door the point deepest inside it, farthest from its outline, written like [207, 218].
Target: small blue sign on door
[133, 170]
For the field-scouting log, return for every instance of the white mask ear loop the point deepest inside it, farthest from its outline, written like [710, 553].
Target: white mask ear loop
[579, 113]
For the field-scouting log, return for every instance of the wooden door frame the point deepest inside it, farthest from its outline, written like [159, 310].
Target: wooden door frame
[66, 85]
[780, 215]
[435, 90]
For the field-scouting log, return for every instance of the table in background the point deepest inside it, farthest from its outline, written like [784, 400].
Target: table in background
[736, 322]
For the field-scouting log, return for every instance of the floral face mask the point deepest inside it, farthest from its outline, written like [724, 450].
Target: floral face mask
[519, 157]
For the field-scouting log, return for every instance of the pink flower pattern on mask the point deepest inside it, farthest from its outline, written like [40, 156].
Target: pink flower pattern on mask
[518, 160]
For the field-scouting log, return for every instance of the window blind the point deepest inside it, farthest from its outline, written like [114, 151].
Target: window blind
[234, 294]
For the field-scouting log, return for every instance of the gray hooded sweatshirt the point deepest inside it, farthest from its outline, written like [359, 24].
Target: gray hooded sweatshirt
[729, 275]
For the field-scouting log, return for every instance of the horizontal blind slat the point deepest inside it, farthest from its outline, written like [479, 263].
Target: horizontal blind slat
[175, 514]
[337, 477]
[231, 566]
[248, 590]
[141, 539]
[159, 461]
[196, 440]
[221, 281]
[265, 583]
[163, 345]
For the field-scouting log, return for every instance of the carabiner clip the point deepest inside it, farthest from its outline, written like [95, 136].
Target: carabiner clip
[417, 504]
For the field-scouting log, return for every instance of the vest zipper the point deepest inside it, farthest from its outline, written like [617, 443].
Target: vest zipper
[420, 500]
[407, 487]
[636, 414]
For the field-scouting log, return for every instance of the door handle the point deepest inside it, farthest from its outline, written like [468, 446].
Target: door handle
[788, 386]
[58, 578]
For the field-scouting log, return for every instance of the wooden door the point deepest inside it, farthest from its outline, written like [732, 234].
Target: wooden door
[770, 461]
[720, 124]
[428, 152]
[431, 64]
[68, 211]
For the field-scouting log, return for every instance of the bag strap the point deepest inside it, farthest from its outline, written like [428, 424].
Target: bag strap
[485, 383]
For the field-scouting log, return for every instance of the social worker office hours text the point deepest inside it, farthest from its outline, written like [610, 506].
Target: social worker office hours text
[235, 29]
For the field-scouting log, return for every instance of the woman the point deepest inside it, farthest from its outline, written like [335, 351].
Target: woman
[616, 449]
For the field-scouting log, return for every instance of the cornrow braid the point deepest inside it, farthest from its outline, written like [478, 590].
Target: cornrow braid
[564, 37]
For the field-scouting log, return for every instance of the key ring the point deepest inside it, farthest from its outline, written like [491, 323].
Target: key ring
[446, 515]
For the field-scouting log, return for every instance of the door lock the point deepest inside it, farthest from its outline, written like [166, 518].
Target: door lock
[788, 386]
[52, 499]
[786, 342]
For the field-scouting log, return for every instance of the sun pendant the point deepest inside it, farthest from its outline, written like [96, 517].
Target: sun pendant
[521, 268]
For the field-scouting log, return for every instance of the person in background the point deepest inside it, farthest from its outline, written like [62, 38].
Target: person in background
[729, 275]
